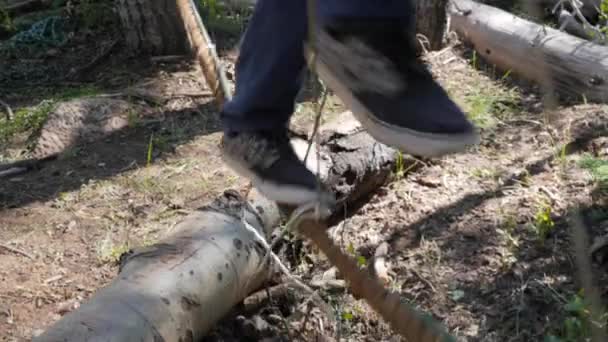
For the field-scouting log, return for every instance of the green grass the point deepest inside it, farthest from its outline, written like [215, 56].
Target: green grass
[543, 223]
[24, 120]
[77, 92]
[31, 119]
[487, 106]
[577, 325]
[598, 169]
[220, 17]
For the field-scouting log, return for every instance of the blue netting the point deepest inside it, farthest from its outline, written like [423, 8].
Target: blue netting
[48, 32]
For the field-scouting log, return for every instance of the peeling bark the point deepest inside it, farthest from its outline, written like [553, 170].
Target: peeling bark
[152, 27]
[431, 21]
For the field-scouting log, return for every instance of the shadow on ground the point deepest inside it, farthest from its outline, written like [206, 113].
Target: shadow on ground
[123, 150]
[524, 288]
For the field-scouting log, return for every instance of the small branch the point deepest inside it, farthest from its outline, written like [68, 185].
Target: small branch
[8, 110]
[549, 194]
[16, 251]
[23, 166]
[424, 280]
[260, 298]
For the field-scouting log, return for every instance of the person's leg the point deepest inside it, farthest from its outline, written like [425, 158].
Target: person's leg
[367, 56]
[268, 78]
[363, 45]
[269, 67]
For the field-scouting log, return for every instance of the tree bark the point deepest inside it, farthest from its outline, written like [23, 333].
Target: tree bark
[177, 289]
[153, 26]
[561, 63]
[431, 21]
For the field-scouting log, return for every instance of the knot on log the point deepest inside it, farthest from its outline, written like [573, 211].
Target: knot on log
[230, 203]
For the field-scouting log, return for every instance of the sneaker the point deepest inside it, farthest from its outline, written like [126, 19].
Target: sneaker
[270, 162]
[372, 66]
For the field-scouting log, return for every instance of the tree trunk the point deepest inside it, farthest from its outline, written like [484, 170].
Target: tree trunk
[559, 62]
[431, 21]
[153, 26]
[177, 289]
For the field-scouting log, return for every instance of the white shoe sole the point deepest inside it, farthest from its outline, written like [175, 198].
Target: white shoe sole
[404, 139]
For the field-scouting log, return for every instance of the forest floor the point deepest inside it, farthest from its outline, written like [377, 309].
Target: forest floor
[481, 240]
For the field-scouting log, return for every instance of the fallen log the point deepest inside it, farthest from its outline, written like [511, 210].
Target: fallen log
[571, 66]
[178, 288]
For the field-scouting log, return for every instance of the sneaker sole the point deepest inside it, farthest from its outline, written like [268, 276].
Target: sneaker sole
[285, 194]
[404, 139]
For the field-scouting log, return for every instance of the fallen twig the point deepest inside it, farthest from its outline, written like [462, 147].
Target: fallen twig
[23, 166]
[154, 99]
[16, 251]
[8, 110]
[424, 280]
[549, 194]
[260, 298]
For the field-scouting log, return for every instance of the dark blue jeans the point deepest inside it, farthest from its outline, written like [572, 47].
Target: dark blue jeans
[269, 71]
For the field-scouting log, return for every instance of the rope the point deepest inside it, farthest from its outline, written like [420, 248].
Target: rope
[405, 320]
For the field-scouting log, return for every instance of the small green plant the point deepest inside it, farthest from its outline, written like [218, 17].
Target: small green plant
[6, 23]
[132, 118]
[25, 120]
[94, 14]
[30, 120]
[150, 150]
[361, 260]
[543, 223]
[604, 16]
[486, 106]
[211, 9]
[577, 326]
[474, 59]
[486, 173]
[108, 252]
[598, 169]
[526, 178]
[399, 165]
[509, 240]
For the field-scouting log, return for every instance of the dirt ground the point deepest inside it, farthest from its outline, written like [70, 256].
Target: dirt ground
[481, 240]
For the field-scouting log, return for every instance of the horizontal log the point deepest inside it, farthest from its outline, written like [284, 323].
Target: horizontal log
[571, 66]
[180, 287]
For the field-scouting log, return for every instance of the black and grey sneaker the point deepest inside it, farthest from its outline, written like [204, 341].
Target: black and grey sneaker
[270, 162]
[372, 66]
